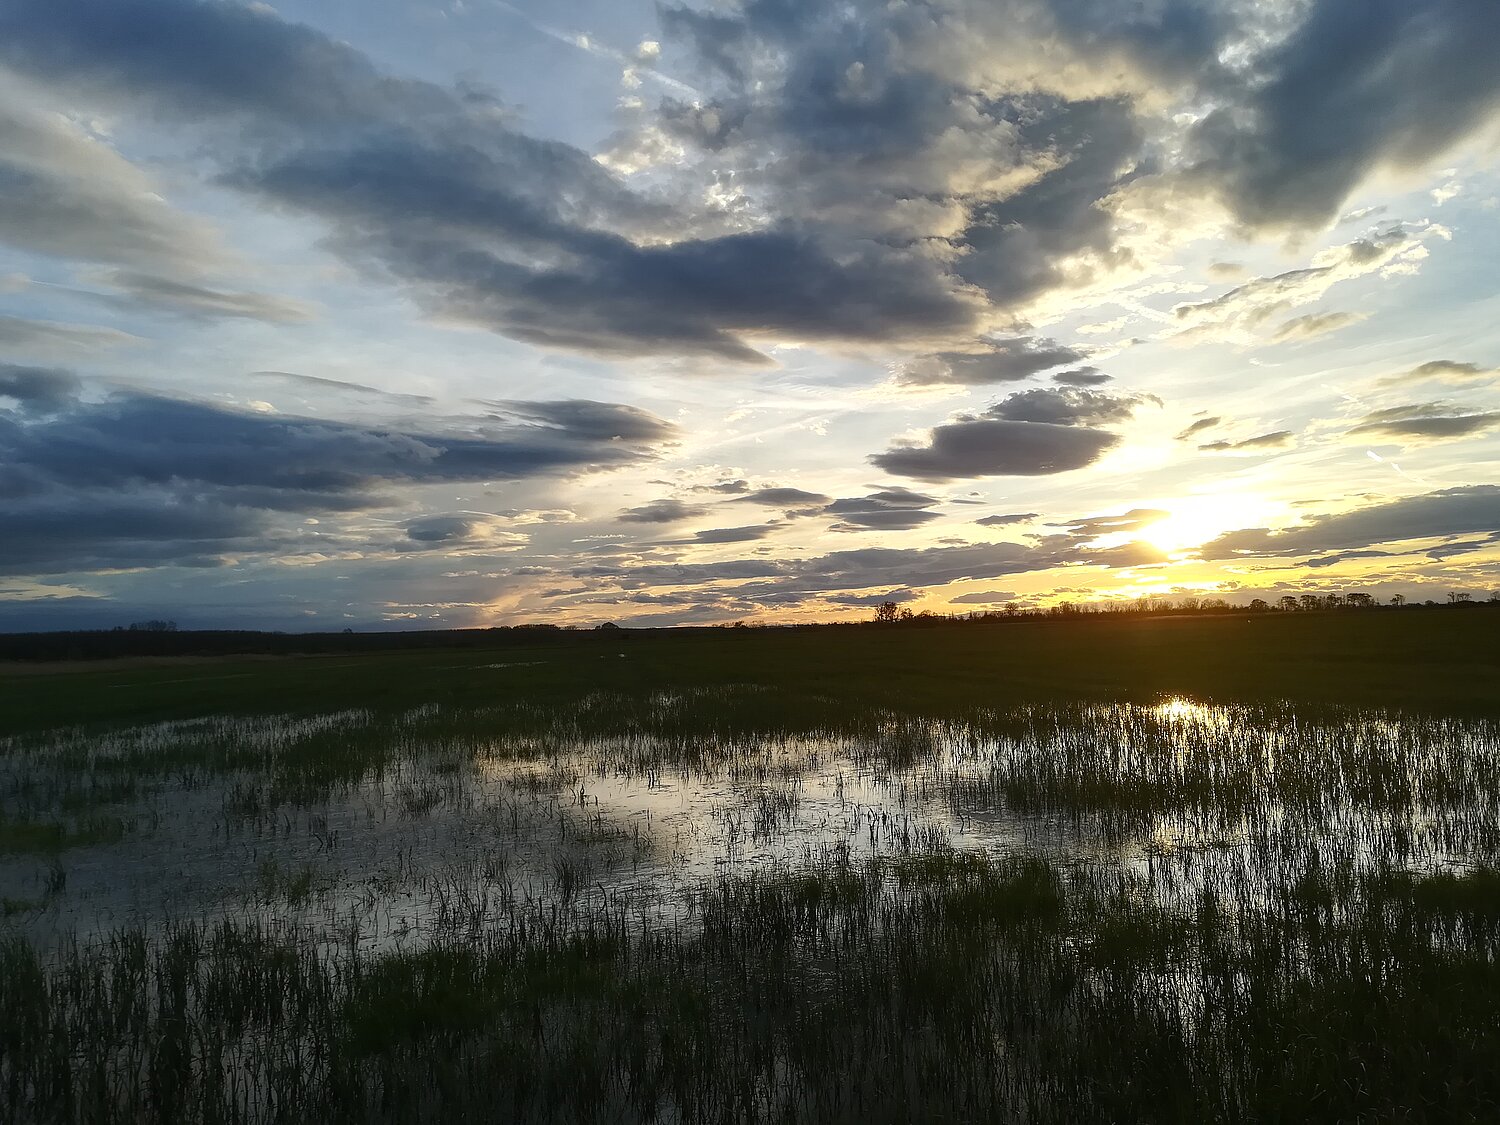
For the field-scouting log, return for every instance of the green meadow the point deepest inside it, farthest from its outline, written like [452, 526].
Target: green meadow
[1238, 868]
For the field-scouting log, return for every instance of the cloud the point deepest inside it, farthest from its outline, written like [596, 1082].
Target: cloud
[342, 386]
[727, 535]
[1068, 406]
[665, 510]
[1198, 427]
[1312, 325]
[1081, 377]
[472, 530]
[65, 194]
[1243, 312]
[890, 509]
[196, 301]
[225, 471]
[1323, 108]
[1452, 511]
[432, 186]
[1007, 519]
[785, 581]
[797, 498]
[1003, 361]
[1431, 421]
[1088, 528]
[985, 448]
[46, 337]
[80, 533]
[39, 389]
[727, 487]
[1280, 439]
[1444, 371]
[1030, 433]
[984, 597]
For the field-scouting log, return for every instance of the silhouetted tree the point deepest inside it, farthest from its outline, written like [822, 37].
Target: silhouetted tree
[1287, 602]
[1398, 600]
[886, 612]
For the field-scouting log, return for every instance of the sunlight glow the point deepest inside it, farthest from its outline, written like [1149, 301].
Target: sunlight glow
[1197, 519]
[1180, 708]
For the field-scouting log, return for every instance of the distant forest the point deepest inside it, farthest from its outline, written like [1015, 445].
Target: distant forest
[161, 638]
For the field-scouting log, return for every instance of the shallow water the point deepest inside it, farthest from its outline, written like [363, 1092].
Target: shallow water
[391, 830]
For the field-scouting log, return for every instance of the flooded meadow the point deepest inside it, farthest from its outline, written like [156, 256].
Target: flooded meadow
[731, 905]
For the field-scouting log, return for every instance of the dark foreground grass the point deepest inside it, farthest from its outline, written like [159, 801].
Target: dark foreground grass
[935, 987]
[1444, 661]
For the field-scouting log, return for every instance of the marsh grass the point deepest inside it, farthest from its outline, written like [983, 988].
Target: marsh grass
[930, 986]
[721, 905]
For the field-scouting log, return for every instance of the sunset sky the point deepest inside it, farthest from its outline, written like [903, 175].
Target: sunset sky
[405, 313]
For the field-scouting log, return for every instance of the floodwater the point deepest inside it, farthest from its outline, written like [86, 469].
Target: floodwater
[389, 830]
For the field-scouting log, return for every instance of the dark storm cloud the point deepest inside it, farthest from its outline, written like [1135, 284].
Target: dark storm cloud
[916, 173]
[873, 115]
[890, 509]
[528, 237]
[228, 468]
[985, 448]
[89, 532]
[1031, 433]
[1452, 511]
[1358, 85]
[665, 510]
[443, 529]
[454, 224]
[146, 439]
[38, 388]
[1016, 245]
[1280, 439]
[1004, 361]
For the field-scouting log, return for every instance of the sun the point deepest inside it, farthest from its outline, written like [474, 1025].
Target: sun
[1194, 520]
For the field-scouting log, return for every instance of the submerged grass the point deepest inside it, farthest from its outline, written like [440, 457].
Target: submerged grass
[933, 987]
[744, 904]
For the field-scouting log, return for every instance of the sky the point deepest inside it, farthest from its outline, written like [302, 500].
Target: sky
[448, 313]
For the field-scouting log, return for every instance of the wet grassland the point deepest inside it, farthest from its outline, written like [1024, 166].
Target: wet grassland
[1206, 871]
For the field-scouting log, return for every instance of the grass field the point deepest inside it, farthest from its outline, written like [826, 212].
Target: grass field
[1235, 869]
